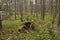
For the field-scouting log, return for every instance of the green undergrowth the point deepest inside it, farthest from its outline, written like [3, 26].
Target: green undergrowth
[10, 30]
[42, 32]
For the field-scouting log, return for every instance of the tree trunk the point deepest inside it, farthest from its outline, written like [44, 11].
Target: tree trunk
[51, 6]
[58, 23]
[0, 22]
[42, 9]
[54, 11]
[15, 9]
[58, 15]
[21, 10]
[31, 5]
[36, 9]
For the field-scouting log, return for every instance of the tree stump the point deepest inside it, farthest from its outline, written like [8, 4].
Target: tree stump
[25, 26]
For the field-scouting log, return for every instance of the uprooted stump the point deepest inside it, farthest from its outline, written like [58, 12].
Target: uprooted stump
[26, 26]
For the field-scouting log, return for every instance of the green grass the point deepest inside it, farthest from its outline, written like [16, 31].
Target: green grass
[10, 30]
[11, 24]
[41, 33]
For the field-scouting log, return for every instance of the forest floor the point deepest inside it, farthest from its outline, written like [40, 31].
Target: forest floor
[10, 32]
[43, 32]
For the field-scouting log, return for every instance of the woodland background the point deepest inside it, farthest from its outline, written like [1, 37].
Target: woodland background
[14, 12]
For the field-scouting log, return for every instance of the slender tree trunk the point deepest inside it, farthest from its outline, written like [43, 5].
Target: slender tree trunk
[21, 10]
[31, 5]
[25, 1]
[0, 22]
[51, 4]
[36, 10]
[58, 15]
[55, 11]
[42, 9]
[15, 9]
[58, 23]
[9, 10]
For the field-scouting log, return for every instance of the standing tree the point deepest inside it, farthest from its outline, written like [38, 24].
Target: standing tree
[58, 23]
[31, 5]
[21, 9]
[0, 22]
[25, 9]
[51, 6]
[15, 8]
[59, 14]
[42, 9]
[36, 6]
[54, 11]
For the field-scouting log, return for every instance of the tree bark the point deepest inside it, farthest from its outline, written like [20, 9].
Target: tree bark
[15, 9]
[55, 11]
[58, 24]
[42, 9]
[0, 22]
[21, 10]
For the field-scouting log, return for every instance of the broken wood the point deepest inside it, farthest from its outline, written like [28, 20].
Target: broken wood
[25, 26]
